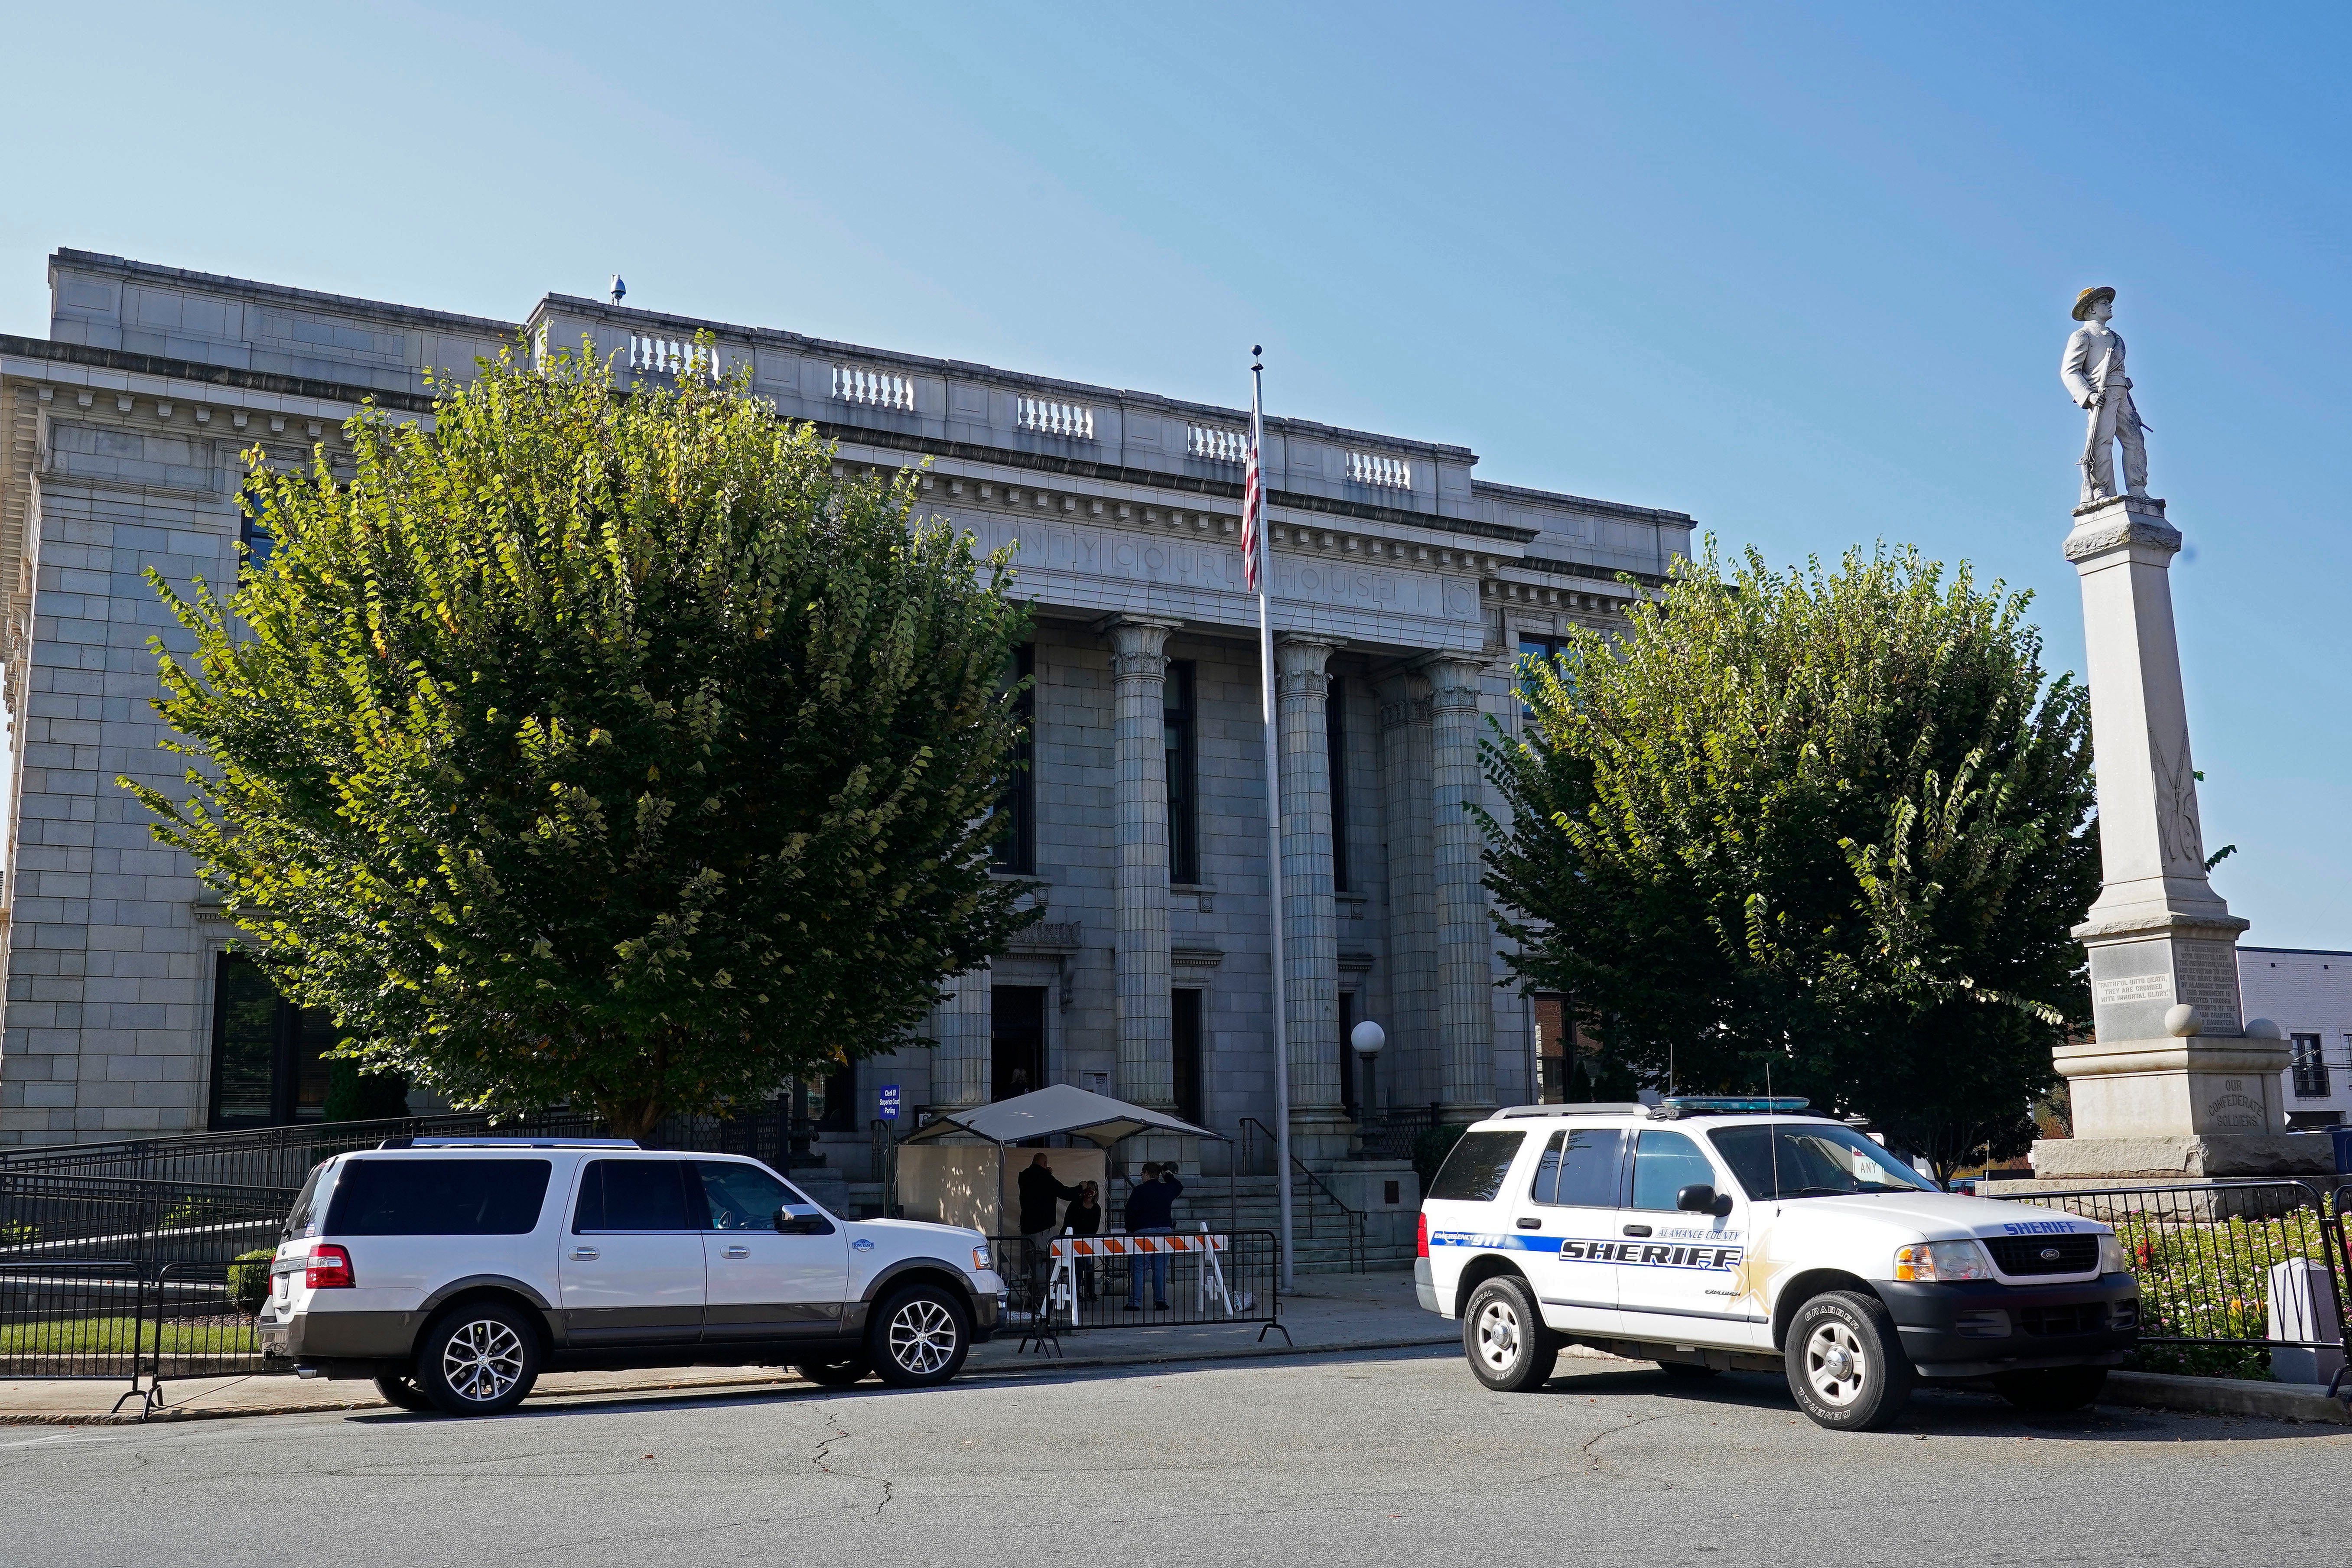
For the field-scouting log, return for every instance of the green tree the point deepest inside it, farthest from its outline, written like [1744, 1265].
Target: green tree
[598, 745]
[1834, 824]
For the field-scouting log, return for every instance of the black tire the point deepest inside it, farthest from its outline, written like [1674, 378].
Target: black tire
[1685, 1370]
[919, 1337]
[479, 1358]
[2051, 1390]
[399, 1392]
[1504, 1337]
[1846, 1365]
[840, 1373]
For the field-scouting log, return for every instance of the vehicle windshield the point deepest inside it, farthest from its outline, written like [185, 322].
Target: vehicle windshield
[1812, 1159]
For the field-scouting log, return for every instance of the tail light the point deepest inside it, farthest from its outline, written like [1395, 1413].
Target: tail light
[330, 1269]
[1421, 1246]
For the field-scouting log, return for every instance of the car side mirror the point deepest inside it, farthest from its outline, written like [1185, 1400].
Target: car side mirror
[790, 1224]
[1701, 1198]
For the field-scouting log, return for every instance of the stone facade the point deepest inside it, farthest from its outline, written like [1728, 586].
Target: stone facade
[1403, 589]
[2307, 994]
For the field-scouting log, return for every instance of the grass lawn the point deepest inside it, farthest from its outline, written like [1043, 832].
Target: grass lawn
[114, 1336]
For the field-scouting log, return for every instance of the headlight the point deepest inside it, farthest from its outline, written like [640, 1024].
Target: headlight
[2112, 1259]
[980, 1263]
[1942, 1262]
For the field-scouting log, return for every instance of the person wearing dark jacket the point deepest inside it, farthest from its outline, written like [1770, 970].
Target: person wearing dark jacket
[1151, 1211]
[1084, 1218]
[1041, 1193]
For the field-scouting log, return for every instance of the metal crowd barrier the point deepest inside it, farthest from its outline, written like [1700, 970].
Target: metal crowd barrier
[1224, 1278]
[2206, 1257]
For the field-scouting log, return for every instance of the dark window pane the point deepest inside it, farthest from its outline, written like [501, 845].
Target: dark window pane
[437, 1197]
[1475, 1171]
[314, 1035]
[1335, 740]
[253, 531]
[1663, 1165]
[1579, 1169]
[1016, 805]
[743, 1197]
[1545, 649]
[1184, 1018]
[1179, 733]
[245, 1043]
[634, 1194]
[1809, 1159]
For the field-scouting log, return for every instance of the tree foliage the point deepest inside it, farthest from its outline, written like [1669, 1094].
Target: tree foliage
[600, 745]
[1837, 823]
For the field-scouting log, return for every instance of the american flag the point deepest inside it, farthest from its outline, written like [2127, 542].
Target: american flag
[1252, 502]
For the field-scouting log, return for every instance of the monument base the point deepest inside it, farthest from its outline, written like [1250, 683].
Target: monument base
[2179, 1157]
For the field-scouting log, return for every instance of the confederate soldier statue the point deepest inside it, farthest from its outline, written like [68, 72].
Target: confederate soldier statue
[2093, 374]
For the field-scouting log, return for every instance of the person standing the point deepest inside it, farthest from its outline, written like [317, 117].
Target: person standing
[1151, 1211]
[1084, 1218]
[1041, 1195]
[2093, 372]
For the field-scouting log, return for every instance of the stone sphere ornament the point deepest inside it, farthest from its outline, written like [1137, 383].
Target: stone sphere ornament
[2181, 1021]
[1368, 1038]
[2263, 1029]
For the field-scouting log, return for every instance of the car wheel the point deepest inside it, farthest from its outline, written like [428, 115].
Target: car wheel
[2051, 1390]
[836, 1373]
[1846, 1365]
[1503, 1335]
[921, 1337]
[478, 1359]
[399, 1391]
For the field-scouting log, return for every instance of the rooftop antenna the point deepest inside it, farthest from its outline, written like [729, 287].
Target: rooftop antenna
[620, 290]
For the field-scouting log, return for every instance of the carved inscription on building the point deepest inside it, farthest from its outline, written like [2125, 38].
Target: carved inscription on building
[2133, 988]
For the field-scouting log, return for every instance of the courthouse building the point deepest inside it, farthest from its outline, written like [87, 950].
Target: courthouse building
[1405, 586]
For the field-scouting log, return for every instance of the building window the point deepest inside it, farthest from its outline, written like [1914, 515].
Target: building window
[1355, 1071]
[1181, 740]
[253, 531]
[1533, 647]
[268, 1066]
[1335, 737]
[1184, 1053]
[2310, 1069]
[1016, 1040]
[1016, 839]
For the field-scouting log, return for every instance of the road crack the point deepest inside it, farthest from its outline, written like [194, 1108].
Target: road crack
[823, 1458]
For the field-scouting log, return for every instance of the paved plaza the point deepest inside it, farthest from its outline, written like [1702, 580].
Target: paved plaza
[1374, 1456]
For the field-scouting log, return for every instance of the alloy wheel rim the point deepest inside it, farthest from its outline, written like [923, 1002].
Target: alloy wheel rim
[482, 1361]
[1835, 1364]
[922, 1336]
[1499, 1336]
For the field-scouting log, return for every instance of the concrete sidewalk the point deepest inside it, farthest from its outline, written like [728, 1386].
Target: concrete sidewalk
[1329, 1312]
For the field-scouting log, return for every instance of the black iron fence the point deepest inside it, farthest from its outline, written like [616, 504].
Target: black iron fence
[2216, 1293]
[1220, 1279]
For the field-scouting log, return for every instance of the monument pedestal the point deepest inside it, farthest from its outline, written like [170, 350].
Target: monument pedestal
[2169, 1085]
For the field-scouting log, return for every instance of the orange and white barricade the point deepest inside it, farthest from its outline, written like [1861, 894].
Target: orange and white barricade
[1062, 1289]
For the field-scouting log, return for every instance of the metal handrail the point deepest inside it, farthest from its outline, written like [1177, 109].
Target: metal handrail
[1357, 1244]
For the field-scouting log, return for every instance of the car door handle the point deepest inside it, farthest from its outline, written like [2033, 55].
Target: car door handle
[1637, 1230]
[737, 1252]
[583, 1255]
[1531, 1225]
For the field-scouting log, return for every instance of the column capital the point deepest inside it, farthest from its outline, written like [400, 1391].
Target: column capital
[1139, 643]
[1404, 697]
[1301, 666]
[1457, 681]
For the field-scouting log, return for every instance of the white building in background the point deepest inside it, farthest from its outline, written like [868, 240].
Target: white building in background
[2308, 995]
[1406, 586]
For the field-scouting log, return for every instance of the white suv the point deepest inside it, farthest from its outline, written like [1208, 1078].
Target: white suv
[452, 1271]
[1713, 1234]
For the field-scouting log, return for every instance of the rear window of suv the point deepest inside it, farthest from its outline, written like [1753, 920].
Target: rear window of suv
[438, 1197]
[1474, 1171]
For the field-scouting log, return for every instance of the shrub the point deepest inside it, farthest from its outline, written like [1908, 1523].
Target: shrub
[248, 1279]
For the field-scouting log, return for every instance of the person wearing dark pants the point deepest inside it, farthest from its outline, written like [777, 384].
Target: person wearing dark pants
[1084, 1218]
[1151, 1211]
[1041, 1195]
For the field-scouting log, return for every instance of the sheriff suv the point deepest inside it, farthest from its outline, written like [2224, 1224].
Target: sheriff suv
[1713, 1234]
[455, 1271]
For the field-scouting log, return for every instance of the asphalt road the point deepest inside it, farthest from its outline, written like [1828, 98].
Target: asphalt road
[1373, 1458]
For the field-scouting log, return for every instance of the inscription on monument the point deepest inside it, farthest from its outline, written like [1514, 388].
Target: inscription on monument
[2134, 988]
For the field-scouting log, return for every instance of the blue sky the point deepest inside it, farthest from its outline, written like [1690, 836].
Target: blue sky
[1802, 272]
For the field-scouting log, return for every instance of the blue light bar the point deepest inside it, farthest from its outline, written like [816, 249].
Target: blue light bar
[1680, 1105]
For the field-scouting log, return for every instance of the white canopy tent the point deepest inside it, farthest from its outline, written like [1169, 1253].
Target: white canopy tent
[954, 1167]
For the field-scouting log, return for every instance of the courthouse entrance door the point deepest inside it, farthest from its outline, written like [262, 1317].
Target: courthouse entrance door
[1016, 1040]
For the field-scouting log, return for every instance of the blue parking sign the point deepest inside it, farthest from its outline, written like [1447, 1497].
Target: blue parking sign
[888, 1106]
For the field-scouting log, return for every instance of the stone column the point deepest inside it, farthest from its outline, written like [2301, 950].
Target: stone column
[1319, 1128]
[961, 1066]
[1139, 852]
[1466, 944]
[2170, 1084]
[1410, 1062]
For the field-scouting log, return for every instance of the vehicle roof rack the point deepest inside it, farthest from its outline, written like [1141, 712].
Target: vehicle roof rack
[466, 1142]
[1580, 1108]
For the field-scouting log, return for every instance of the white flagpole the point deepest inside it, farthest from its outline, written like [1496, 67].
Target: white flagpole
[1273, 824]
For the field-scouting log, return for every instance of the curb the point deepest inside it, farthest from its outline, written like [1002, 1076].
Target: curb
[2225, 1396]
[740, 1385]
